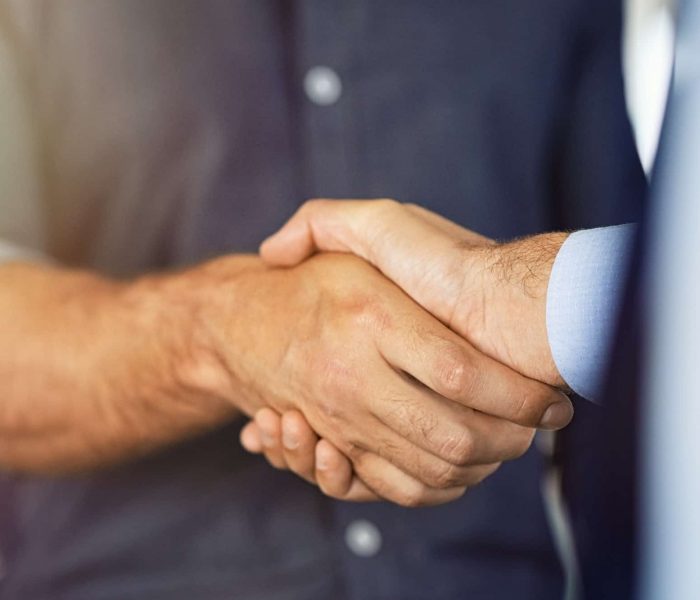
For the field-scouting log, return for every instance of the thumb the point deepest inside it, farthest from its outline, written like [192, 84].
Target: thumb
[291, 244]
[319, 225]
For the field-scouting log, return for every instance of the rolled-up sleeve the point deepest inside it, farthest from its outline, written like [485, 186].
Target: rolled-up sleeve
[583, 299]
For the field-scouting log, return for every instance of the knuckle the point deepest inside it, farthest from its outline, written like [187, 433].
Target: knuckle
[370, 314]
[446, 476]
[328, 407]
[457, 448]
[353, 451]
[296, 429]
[529, 405]
[338, 381]
[414, 497]
[456, 377]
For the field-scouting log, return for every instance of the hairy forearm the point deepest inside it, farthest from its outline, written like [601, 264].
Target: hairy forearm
[509, 322]
[94, 371]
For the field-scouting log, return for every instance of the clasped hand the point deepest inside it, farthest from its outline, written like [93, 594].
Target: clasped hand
[419, 365]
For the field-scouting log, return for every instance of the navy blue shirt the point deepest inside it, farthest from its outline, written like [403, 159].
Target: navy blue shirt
[505, 116]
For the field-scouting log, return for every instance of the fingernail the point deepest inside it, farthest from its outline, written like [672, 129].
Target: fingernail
[267, 439]
[290, 441]
[557, 415]
[321, 463]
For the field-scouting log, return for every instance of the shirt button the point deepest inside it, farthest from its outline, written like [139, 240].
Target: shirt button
[363, 538]
[322, 86]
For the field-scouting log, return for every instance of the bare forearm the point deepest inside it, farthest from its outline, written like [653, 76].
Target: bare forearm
[94, 371]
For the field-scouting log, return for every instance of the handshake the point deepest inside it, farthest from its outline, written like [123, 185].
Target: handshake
[407, 372]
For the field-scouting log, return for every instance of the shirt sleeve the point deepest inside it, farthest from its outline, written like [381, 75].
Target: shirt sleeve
[583, 298]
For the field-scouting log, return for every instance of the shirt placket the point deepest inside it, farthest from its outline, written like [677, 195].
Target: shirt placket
[331, 69]
[326, 76]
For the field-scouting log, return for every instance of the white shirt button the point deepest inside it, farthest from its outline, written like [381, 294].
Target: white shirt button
[363, 538]
[322, 86]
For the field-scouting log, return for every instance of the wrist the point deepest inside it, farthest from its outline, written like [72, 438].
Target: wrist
[204, 324]
[509, 320]
[172, 342]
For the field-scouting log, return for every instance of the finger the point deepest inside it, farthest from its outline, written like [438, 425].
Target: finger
[449, 430]
[454, 369]
[299, 445]
[335, 477]
[390, 483]
[427, 467]
[269, 424]
[250, 438]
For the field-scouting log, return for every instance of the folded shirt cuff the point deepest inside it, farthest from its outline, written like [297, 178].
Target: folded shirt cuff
[583, 298]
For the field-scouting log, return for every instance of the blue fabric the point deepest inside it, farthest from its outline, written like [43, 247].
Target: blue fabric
[671, 456]
[583, 298]
[506, 116]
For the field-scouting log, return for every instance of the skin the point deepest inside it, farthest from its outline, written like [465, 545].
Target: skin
[103, 371]
[493, 295]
